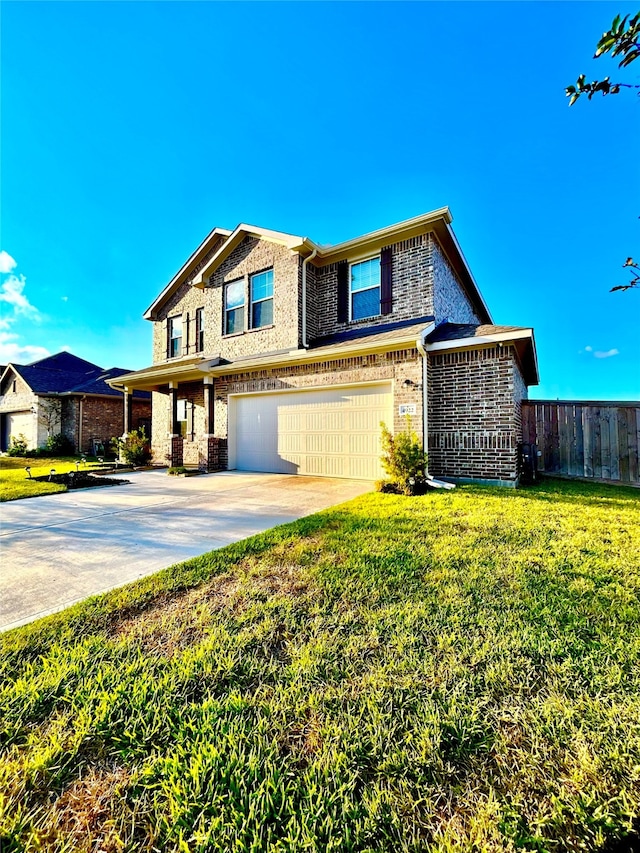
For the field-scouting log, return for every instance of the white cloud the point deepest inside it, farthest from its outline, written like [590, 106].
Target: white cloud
[6, 262]
[15, 305]
[12, 350]
[64, 298]
[12, 292]
[601, 353]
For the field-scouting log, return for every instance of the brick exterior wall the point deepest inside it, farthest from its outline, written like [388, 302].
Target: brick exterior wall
[474, 421]
[396, 366]
[450, 302]
[250, 256]
[102, 419]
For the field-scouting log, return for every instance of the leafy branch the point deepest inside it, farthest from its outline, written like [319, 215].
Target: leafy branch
[621, 40]
[634, 269]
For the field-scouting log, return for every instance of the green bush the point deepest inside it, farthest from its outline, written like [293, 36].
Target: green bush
[60, 445]
[404, 460]
[17, 445]
[177, 469]
[134, 447]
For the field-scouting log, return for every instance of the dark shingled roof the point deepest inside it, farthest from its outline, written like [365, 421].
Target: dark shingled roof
[362, 334]
[455, 331]
[65, 373]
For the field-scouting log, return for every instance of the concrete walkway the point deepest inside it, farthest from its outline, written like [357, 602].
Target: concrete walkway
[60, 549]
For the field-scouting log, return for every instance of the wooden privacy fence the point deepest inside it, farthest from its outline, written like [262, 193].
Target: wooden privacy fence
[593, 439]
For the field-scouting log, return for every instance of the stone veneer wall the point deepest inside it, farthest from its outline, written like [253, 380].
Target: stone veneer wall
[474, 425]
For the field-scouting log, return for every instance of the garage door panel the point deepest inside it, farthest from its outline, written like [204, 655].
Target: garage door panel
[324, 432]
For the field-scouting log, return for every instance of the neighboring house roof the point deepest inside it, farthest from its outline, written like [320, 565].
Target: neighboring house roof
[65, 373]
[220, 243]
[465, 335]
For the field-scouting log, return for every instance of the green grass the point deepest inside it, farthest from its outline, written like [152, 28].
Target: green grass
[455, 672]
[14, 483]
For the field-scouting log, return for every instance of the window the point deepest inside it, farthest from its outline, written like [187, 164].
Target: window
[234, 307]
[262, 299]
[175, 337]
[365, 289]
[199, 329]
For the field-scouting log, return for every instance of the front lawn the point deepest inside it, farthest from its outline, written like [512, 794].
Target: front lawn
[15, 483]
[455, 672]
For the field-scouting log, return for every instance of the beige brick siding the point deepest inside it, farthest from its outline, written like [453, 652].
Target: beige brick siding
[252, 255]
[450, 300]
[474, 427]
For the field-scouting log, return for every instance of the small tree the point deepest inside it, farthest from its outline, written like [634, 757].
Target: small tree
[403, 458]
[50, 414]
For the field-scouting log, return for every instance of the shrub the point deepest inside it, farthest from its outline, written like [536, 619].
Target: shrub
[60, 445]
[134, 447]
[17, 445]
[404, 460]
[177, 469]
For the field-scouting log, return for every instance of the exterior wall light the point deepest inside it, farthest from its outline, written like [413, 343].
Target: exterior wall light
[409, 383]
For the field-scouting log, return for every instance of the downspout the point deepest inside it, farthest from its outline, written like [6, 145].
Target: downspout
[80, 414]
[421, 344]
[305, 343]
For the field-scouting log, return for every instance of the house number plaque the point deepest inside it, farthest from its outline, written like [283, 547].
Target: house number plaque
[407, 409]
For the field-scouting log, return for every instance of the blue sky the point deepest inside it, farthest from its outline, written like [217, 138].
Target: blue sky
[130, 130]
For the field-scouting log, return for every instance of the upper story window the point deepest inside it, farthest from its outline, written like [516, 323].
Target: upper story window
[261, 299]
[199, 329]
[234, 307]
[175, 337]
[365, 289]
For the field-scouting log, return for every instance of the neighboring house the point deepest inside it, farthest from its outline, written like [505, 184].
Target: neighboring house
[66, 394]
[273, 353]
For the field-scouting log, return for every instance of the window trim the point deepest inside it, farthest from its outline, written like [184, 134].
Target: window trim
[171, 337]
[253, 302]
[225, 287]
[356, 263]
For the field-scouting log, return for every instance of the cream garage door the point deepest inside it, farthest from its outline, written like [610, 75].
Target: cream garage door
[17, 423]
[332, 432]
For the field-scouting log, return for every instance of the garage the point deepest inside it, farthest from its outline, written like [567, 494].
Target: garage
[15, 424]
[328, 432]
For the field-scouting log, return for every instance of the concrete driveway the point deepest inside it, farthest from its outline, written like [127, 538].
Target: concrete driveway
[59, 549]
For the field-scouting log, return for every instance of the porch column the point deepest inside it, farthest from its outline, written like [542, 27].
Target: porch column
[173, 409]
[208, 405]
[128, 402]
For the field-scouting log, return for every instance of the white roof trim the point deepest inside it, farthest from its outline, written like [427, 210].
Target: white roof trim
[497, 337]
[224, 232]
[291, 241]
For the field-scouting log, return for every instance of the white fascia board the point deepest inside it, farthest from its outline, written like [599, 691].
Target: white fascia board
[148, 314]
[442, 213]
[464, 343]
[291, 241]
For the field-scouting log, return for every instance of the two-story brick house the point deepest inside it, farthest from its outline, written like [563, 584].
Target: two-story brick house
[273, 353]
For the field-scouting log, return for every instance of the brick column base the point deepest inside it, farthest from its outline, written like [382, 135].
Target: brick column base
[175, 451]
[212, 454]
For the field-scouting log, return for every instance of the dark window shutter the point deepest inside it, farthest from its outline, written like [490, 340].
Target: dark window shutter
[343, 292]
[386, 290]
[167, 326]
